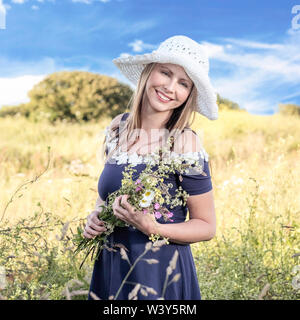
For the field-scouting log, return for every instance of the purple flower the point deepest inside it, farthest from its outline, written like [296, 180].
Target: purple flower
[156, 206]
[138, 181]
[170, 214]
[145, 211]
[138, 189]
[157, 214]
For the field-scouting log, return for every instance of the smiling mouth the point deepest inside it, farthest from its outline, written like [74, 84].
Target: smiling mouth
[162, 97]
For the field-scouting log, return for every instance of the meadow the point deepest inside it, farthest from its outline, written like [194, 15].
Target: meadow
[48, 178]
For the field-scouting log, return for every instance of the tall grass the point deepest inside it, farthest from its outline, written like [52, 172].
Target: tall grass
[256, 181]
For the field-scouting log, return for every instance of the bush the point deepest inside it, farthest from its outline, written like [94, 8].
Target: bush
[225, 104]
[74, 96]
[289, 109]
[12, 111]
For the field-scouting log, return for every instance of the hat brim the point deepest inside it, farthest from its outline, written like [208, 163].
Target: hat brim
[132, 66]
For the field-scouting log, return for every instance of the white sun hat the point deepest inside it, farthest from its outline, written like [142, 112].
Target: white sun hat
[183, 51]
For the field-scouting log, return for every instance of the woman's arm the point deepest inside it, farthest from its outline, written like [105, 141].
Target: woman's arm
[99, 201]
[200, 227]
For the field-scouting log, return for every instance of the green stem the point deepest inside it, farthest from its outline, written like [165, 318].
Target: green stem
[129, 272]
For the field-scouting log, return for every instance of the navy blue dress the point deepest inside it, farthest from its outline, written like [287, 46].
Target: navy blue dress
[110, 269]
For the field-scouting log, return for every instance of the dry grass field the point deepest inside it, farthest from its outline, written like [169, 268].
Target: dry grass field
[256, 182]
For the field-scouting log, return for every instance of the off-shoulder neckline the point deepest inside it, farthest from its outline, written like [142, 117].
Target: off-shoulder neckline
[136, 158]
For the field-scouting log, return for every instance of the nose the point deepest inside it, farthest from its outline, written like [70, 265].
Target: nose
[169, 87]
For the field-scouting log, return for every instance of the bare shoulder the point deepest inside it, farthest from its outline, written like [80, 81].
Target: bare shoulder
[188, 141]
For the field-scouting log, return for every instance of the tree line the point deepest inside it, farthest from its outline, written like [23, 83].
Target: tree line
[80, 96]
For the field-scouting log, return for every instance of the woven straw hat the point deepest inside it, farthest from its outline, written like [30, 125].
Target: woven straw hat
[182, 51]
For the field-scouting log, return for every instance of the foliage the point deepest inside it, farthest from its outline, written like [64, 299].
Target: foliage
[37, 255]
[20, 110]
[148, 191]
[74, 96]
[263, 252]
[289, 109]
[226, 104]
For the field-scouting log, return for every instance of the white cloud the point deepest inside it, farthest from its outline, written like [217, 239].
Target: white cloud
[34, 7]
[18, 1]
[124, 55]
[90, 1]
[14, 91]
[7, 6]
[253, 44]
[18, 77]
[139, 46]
[83, 1]
[256, 74]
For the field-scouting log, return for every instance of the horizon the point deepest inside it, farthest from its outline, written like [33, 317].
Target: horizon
[253, 46]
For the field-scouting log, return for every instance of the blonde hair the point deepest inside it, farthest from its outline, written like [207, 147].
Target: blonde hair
[178, 121]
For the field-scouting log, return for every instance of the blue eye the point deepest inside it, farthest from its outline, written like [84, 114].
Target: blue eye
[165, 73]
[185, 85]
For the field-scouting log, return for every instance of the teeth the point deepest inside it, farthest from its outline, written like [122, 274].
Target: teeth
[164, 98]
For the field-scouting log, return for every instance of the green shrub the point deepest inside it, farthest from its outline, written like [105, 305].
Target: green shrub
[74, 96]
[289, 109]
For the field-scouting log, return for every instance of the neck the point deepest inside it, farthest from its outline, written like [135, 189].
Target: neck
[152, 119]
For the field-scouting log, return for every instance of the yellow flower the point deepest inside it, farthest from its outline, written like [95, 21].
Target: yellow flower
[152, 237]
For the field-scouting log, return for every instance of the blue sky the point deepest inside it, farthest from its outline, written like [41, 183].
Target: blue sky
[253, 46]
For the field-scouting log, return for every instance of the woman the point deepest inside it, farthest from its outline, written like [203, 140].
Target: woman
[172, 82]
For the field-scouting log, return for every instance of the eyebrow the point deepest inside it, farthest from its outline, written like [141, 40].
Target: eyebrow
[172, 73]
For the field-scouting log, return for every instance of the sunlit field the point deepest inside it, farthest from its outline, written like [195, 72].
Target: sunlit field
[256, 181]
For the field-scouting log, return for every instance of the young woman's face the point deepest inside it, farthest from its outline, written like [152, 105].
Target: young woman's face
[168, 86]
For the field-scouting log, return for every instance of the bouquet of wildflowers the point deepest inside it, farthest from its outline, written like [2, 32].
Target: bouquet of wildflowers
[148, 194]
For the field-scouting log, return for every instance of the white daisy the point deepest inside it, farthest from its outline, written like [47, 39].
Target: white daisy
[148, 195]
[144, 203]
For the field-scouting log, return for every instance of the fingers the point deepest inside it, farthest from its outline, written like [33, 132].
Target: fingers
[88, 236]
[94, 226]
[94, 232]
[119, 211]
[90, 232]
[124, 203]
[97, 228]
[96, 221]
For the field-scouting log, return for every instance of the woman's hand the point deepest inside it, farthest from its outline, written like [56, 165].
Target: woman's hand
[94, 226]
[123, 210]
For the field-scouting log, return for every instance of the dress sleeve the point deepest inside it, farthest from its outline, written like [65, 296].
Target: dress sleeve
[194, 182]
[109, 143]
